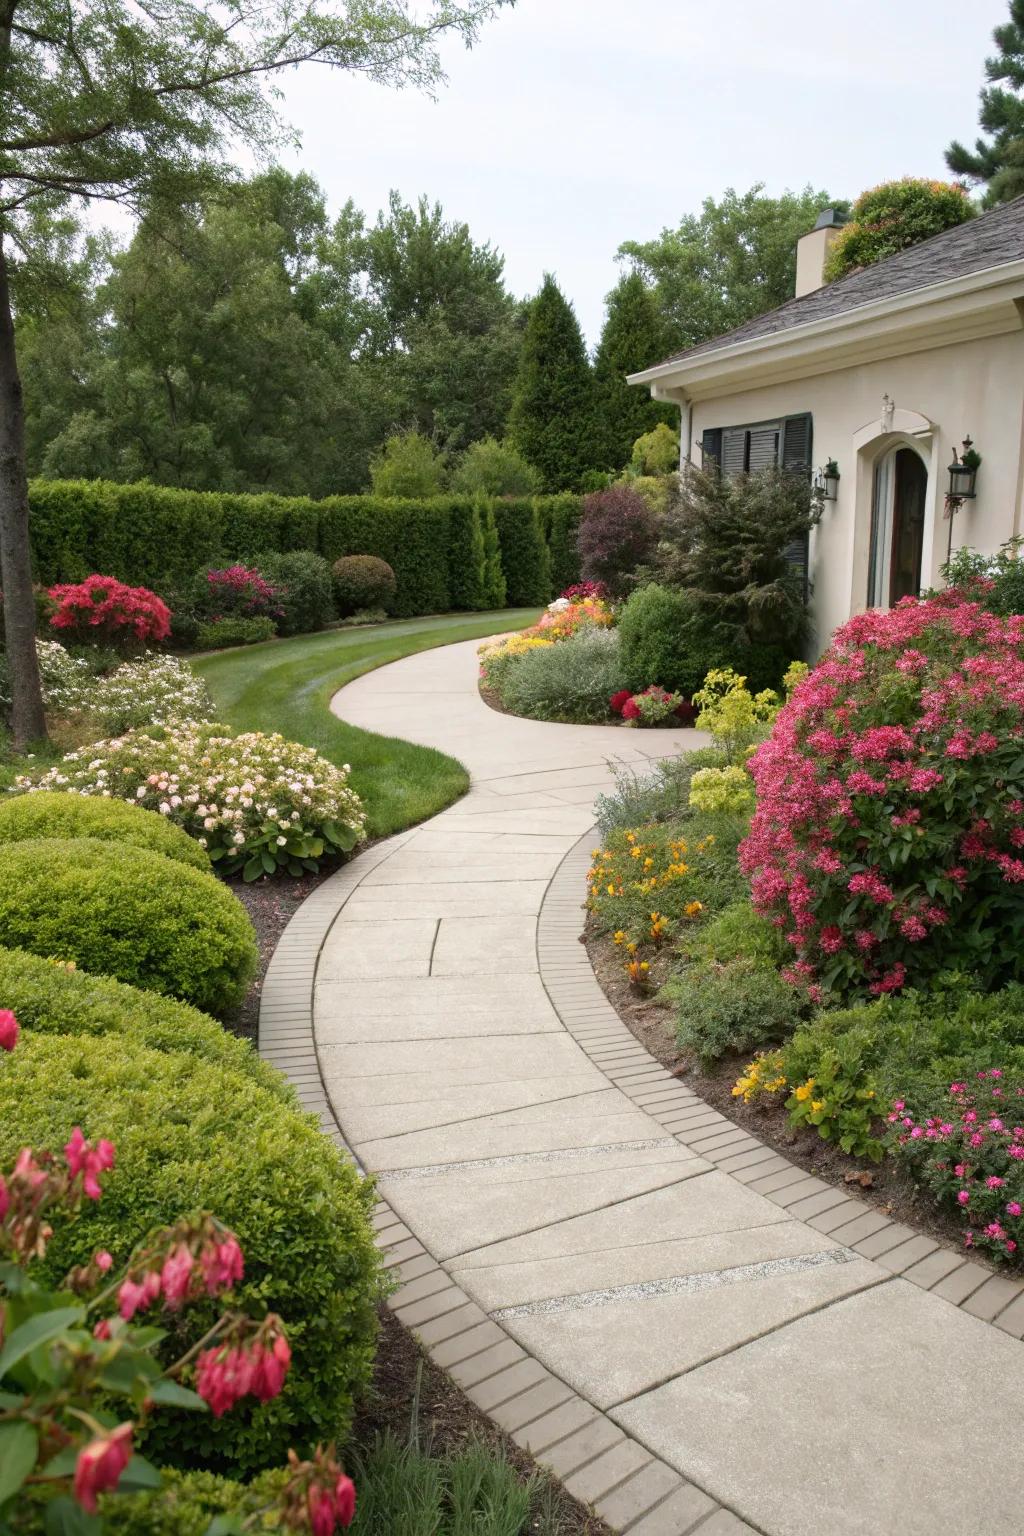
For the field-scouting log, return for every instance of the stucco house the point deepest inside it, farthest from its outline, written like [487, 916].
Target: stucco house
[885, 372]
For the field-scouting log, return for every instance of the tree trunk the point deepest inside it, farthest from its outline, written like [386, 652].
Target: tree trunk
[28, 722]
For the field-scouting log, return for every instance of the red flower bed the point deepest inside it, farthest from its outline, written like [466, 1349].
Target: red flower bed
[889, 835]
[103, 610]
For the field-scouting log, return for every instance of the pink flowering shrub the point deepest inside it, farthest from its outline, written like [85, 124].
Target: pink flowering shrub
[79, 1377]
[970, 1153]
[888, 840]
[104, 611]
[582, 589]
[237, 591]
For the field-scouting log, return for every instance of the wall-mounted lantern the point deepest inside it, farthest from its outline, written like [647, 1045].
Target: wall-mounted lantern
[963, 474]
[826, 481]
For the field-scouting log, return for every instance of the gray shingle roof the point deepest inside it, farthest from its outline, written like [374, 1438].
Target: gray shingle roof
[990, 240]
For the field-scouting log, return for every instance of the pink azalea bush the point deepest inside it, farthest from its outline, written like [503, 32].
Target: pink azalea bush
[79, 1380]
[888, 840]
[970, 1153]
[104, 611]
[236, 592]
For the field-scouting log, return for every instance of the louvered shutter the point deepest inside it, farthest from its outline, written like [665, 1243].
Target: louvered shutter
[796, 457]
[734, 450]
[764, 446]
[711, 448]
[796, 443]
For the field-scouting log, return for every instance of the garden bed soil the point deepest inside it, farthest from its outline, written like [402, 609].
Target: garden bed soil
[884, 1186]
[447, 1420]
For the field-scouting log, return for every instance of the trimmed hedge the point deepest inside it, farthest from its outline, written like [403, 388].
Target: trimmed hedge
[159, 536]
[126, 912]
[51, 813]
[193, 1136]
[525, 558]
[49, 999]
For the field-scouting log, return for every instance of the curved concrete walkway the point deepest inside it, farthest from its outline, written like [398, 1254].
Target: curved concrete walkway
[691, 1332]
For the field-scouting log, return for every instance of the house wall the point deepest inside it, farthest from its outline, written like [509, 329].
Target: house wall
[940, 395]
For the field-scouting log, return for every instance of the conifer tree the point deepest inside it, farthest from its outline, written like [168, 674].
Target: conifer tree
[632, 338]
[998, 161]
[493, 588]
[552, 420]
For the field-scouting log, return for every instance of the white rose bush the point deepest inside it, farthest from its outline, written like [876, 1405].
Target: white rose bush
[258, 804]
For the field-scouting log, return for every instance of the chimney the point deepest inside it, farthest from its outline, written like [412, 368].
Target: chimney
[812, 250]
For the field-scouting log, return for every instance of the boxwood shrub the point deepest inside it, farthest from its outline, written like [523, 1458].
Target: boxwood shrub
[129, 913]
[50, 999]
[50, 813]
[192, 1135]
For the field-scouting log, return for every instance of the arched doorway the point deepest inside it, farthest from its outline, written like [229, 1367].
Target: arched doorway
[897, 527]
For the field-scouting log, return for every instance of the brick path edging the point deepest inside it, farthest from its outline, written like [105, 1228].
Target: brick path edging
[580, 1002]
[633, 1491]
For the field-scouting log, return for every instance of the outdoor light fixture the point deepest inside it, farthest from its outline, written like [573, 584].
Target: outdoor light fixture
[826, 481]
[963, 473]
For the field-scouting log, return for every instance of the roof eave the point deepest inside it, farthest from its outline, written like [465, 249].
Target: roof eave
[737, 355]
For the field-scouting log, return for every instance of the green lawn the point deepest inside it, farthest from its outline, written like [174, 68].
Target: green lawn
[286, 686]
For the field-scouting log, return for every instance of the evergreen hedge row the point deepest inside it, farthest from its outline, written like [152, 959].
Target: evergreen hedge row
[159, 536]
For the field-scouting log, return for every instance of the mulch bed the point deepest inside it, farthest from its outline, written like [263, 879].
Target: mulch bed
[884, 1186]
[447, 1419]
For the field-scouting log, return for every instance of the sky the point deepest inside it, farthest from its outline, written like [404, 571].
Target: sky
[573, 125]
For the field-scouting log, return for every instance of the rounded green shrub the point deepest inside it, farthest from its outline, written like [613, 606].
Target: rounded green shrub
[219, 634]
[193, 1136]
[51, 813]
[305, 592]
[733, 1007]
[128, 913]
[49, 998]
[664, 641]
[363, 581]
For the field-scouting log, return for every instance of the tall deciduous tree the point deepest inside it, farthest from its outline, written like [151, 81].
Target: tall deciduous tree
[633, 337]
[141, 104]
[998, 161]
[733, 260]
[552, 417]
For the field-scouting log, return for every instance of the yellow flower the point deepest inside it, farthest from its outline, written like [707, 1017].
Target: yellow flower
[804, 1091]
[618, 936]
[817, 1105]
[692, 908]
[611, 890]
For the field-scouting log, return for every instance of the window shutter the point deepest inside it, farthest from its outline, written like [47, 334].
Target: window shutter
[734, 450]
[796, 444]
[764, 446]
[711, 448]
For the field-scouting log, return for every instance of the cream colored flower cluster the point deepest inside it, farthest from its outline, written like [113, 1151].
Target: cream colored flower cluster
[256, 802]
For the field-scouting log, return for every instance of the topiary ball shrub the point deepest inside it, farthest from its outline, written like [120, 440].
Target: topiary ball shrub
[128, 913]
[55, 814]
[617, 533]
[194, 1136]
[305, 592]
[665, 642]
[363, 581]
[888, 842]
[50, 999]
